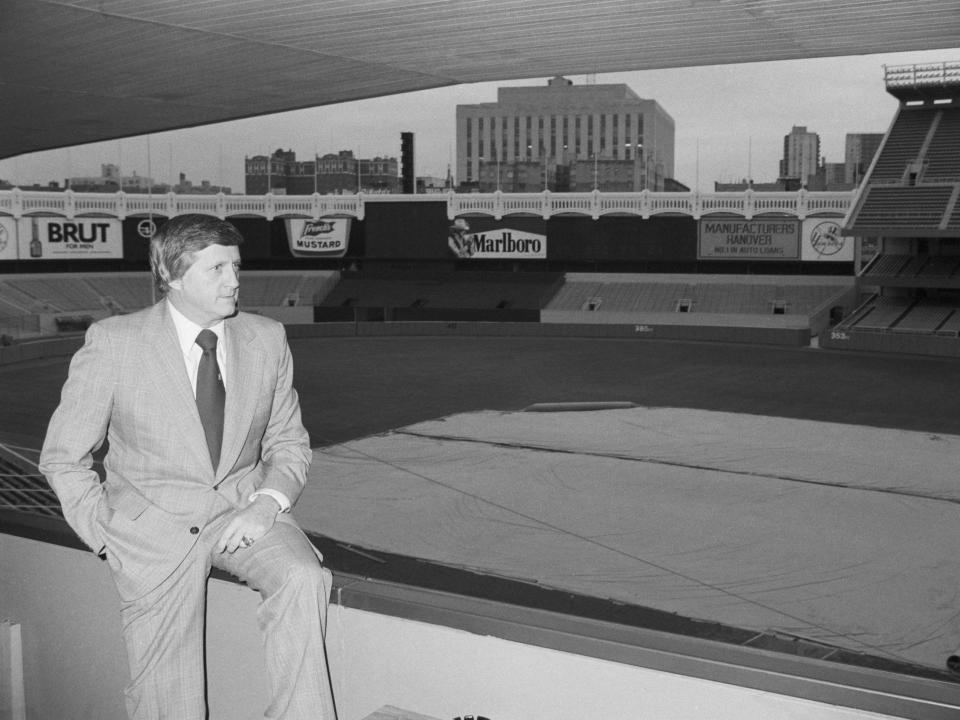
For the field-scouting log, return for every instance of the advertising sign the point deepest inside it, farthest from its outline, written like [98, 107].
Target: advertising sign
[326, 237]
[822, 241]
[47, 238]
[742, 239]
[8, 239]
[495, 244]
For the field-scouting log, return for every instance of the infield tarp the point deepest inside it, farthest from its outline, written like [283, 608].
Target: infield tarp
[839, 534]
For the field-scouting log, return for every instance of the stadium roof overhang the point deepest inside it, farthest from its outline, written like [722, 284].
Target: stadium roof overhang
[89, 70]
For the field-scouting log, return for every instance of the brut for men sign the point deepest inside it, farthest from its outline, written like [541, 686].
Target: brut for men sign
[326, 237]
[497, 243]
[46, 238]
[754, 239]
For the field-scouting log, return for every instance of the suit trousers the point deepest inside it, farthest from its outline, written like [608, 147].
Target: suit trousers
[164, 630]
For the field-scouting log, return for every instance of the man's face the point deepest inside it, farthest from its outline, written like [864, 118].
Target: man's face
[207, 292]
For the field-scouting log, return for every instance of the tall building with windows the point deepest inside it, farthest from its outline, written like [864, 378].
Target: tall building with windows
[859, 150]
[564, 137]
[801, 157]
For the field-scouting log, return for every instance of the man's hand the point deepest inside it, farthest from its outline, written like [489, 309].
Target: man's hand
[249, 525]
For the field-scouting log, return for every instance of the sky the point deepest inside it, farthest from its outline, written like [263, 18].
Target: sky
[730, 123]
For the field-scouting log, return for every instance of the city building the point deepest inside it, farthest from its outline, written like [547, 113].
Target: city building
[110, 180]
[186, 187]
[801, 157]
[744, 184]
[564, 137]
[334, 173]
[832, 176]
[433, 184]
[859, 151]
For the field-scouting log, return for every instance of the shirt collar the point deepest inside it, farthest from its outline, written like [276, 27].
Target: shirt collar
[187, 330]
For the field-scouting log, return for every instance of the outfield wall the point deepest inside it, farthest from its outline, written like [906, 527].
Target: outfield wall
[717, 332]
[892, 342]
[757, 330]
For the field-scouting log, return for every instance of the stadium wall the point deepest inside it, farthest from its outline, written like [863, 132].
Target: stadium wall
[427, 652]
[787, 336]
[421, 233]
[892, 342]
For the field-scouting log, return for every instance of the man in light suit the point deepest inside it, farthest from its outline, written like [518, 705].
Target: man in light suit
[206, 454]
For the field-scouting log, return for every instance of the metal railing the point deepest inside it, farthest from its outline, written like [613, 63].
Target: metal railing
[20, 203]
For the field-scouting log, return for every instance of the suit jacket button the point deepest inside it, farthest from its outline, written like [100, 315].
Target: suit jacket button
[194, 530]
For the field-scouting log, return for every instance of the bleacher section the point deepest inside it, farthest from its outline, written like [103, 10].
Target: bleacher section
[50, 303]
[943, 152]
[879, 314]
[924, 318]
[455, 290]
[951, 326]
[909, 205]
[913, 187]
[916, 209]
[900, 265]
[901, 315]
[707, 295]
[57, 294]
[125, 292]
[903, 144]
[71, 301]
[953, 223]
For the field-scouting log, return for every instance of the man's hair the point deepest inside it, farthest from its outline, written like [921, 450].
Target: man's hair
[173, 246]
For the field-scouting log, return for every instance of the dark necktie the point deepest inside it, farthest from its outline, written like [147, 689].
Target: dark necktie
[210, 394]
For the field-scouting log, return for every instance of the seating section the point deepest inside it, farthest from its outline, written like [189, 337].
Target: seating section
[894, 265]
[953, 223]
[125, 292]
[734, 297]
[939, 266]
[879, 314]
[927, 316]
[903, 144]
[943, 152]
[56, 294]
[914, 184]
[446, 290]
[950, 326]
[888, 207]
[14, 301]
[923, 318]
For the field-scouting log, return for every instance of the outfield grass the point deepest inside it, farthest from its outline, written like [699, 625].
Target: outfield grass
[353, 387]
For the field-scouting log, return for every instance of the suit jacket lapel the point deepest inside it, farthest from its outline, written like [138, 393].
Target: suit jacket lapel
[244, 370]
[164, 365]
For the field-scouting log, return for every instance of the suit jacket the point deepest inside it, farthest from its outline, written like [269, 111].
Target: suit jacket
[128, 385]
